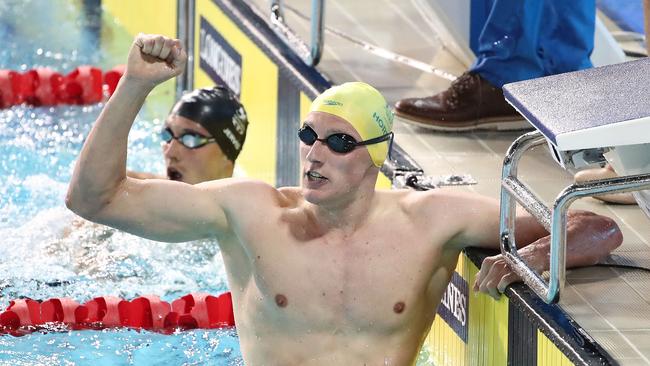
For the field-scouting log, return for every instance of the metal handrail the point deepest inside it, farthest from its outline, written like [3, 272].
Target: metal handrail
[311, 55]
[185, 32]
[553, 220]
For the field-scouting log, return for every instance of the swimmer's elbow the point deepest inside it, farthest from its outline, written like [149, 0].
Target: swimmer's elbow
[608, 237]
[81, 207]
[86, 204]
[612, 234]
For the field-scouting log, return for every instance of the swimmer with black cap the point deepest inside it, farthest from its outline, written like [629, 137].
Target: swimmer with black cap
[202, 136]
[334, 272]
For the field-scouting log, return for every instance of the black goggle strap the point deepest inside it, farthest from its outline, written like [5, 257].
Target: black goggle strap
[389, 136]
[376, 140]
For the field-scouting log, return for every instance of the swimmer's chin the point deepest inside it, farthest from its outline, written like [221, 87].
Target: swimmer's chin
[315, 196]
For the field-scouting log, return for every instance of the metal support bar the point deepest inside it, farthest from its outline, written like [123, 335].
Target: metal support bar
[510, 164]
[553, 220]
[311, 55]
[528, 201]
[185, 33]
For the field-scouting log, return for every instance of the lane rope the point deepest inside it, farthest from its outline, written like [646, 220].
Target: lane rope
[149, 312]
[45, 87]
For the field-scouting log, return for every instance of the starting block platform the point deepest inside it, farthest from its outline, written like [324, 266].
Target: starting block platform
[587, 118]
[582, 116]
[600, 107]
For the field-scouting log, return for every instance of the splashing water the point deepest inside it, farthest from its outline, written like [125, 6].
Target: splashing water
[48, 252]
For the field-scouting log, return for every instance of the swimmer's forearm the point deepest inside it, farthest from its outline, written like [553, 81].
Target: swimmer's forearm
[528, 229]
[101, 167]
[590, 238]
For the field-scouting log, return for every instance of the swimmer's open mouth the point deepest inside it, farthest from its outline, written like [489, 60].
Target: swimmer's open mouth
[314, 176]
[174, 174]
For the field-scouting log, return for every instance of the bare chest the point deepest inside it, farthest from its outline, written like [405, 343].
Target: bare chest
[372, 280]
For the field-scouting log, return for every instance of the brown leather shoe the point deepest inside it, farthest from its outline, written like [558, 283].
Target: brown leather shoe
[605, 173]
[470, 103]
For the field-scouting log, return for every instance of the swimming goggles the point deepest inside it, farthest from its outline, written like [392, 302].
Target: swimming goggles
[338, 142]
[190, 140]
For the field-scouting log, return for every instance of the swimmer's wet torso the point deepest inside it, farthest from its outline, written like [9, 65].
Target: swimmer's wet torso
[315, 297]
[333, 272]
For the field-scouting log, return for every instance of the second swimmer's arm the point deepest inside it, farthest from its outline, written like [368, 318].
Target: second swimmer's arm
[101, 166]
[100, 190]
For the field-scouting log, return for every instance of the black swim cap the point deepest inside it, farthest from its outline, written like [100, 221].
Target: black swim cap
[219, 112]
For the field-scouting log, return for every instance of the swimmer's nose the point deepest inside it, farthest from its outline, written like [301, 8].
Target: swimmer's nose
[316, 152]
[171, 149]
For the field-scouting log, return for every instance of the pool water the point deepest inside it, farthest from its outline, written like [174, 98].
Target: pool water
[46, 251]
[122, 347]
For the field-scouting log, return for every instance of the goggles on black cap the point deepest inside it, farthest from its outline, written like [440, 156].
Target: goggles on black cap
[190, 140]
[220, 113]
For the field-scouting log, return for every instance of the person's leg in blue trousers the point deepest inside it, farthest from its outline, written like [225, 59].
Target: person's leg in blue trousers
[524, 39]
[518, 40]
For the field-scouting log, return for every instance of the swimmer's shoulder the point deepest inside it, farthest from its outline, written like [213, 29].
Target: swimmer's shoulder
[434, 201]
[241, 190]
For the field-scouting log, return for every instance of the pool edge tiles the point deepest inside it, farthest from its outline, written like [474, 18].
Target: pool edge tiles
[518, 329]
[469, 328]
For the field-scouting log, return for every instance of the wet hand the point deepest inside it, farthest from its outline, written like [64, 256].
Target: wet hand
[154, 59]
[494, 276]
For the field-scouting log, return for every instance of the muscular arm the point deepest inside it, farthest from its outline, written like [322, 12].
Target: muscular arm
[590, 238]
[100, 189]
[480, 224]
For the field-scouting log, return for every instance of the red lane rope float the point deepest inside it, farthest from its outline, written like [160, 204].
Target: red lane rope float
[192, 311]
[45, 87]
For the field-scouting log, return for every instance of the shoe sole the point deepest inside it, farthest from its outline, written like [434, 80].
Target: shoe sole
[483, 124]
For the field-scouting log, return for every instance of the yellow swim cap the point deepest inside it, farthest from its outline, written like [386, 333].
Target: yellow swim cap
[364, 108]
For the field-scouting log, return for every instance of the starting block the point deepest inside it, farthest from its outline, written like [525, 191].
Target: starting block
[587, 118]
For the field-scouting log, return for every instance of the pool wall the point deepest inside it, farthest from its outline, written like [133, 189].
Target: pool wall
[233, 45]
[518, 329]
[121, 21]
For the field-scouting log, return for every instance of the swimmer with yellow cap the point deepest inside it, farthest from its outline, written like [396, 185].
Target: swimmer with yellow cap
[365, 109]
[334, 272]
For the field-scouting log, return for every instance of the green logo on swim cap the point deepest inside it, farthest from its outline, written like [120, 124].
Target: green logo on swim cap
[380, 122]
[332, 102]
